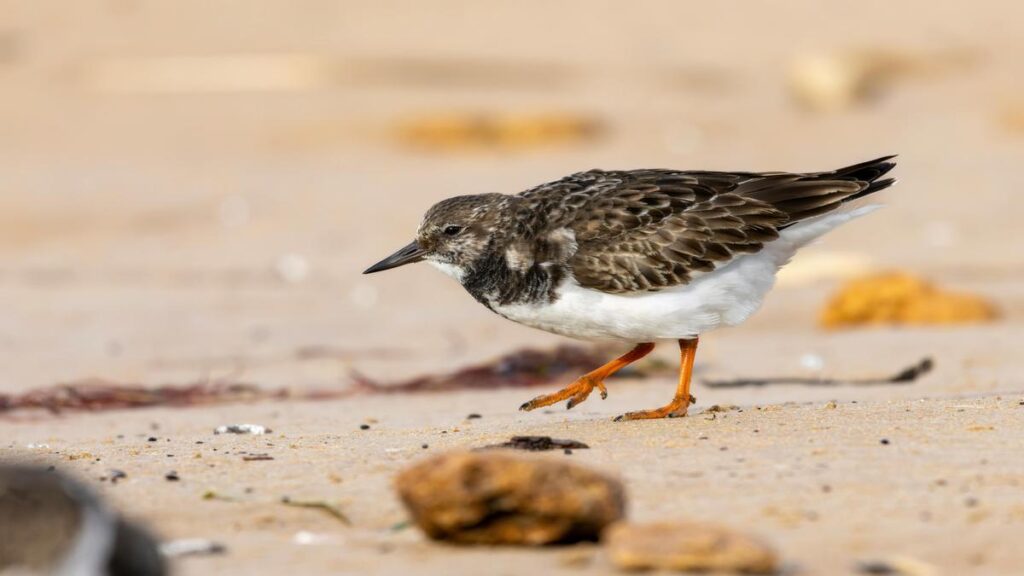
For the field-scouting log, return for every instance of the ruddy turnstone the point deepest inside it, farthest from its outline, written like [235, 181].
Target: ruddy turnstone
[635, 256]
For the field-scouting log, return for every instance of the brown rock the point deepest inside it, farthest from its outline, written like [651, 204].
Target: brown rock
[688, 546]
[498, 498]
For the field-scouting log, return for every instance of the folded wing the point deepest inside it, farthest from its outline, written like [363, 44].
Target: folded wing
[647, 230]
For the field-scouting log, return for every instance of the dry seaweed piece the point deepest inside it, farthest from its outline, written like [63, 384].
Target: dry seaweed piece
[330, 509]
[497, 497]
[257, 457]
[905, 376]
[523, 367]
[538, 444]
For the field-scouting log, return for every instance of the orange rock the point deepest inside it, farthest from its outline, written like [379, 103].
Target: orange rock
[688, 546]
[897, 298]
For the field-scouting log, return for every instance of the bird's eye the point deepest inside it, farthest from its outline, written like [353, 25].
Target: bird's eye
[452, 230]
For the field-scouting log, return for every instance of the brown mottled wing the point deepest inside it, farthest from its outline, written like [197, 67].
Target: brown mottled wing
[646, 230]
[657, 229]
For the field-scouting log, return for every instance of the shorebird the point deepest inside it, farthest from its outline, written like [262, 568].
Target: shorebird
[636, 256]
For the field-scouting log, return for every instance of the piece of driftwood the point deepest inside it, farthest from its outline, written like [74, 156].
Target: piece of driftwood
[905, 376]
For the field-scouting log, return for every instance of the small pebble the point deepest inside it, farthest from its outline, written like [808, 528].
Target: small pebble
[812, 362]
[292, 268]
[192, 547]
[425, 446]
[364, 426]
[473, 416]
[151, 439]
[172, 476]
[884, 441]
[896, 565]
[254, 429]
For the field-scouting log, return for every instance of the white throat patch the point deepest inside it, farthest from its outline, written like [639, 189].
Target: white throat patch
[452, 270]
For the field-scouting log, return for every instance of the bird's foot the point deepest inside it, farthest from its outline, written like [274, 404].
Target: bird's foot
[676, 409]
[576, 392]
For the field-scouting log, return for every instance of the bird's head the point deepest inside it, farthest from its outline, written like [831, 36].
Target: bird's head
[454, 233]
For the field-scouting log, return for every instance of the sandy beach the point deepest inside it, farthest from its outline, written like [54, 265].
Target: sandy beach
[190, 194]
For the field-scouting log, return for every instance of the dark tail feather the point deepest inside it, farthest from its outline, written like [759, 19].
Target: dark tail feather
[869, 172]
[803, 196]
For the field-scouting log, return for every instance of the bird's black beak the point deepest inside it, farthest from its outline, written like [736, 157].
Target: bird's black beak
[407, 255]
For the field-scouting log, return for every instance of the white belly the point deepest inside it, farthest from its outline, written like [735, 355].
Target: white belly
[725, 297]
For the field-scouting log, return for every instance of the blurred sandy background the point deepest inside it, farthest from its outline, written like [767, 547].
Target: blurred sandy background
[190, 189]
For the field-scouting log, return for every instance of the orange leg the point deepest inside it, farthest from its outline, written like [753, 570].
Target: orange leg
[579, 390]
[677, 407]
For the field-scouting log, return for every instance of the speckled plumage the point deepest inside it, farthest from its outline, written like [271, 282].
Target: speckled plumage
[623, 232]
[635, 256]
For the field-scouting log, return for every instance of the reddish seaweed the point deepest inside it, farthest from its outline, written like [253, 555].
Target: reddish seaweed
[523, 367]
[96, 394]
[520, 368]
